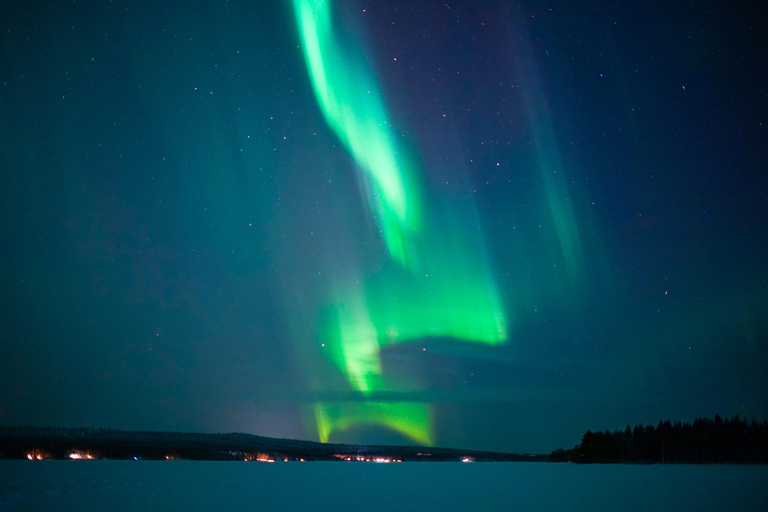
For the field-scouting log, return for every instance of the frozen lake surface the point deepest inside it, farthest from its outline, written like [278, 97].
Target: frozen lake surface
[184, 485]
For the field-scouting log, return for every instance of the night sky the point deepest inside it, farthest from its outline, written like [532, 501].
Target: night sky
[477, 224]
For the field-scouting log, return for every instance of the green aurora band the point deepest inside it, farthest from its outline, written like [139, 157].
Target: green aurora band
[438, 283]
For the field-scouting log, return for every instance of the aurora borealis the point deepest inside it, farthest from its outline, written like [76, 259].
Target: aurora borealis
[460, 298]
[469, 225]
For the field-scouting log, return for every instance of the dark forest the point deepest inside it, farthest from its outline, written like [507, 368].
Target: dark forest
[705, 441]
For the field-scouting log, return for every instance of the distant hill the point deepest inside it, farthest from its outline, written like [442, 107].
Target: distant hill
[36, 443]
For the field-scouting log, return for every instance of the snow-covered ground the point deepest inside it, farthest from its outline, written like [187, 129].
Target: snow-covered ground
[183, 485]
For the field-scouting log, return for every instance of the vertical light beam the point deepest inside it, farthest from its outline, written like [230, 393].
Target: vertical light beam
[352, 106]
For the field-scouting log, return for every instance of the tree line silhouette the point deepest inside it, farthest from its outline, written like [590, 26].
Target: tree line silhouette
[706, 441]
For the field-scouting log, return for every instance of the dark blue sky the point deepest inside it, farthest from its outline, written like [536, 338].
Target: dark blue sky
[179, 219]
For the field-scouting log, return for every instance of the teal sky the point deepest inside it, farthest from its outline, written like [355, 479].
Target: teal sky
[476, 225]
